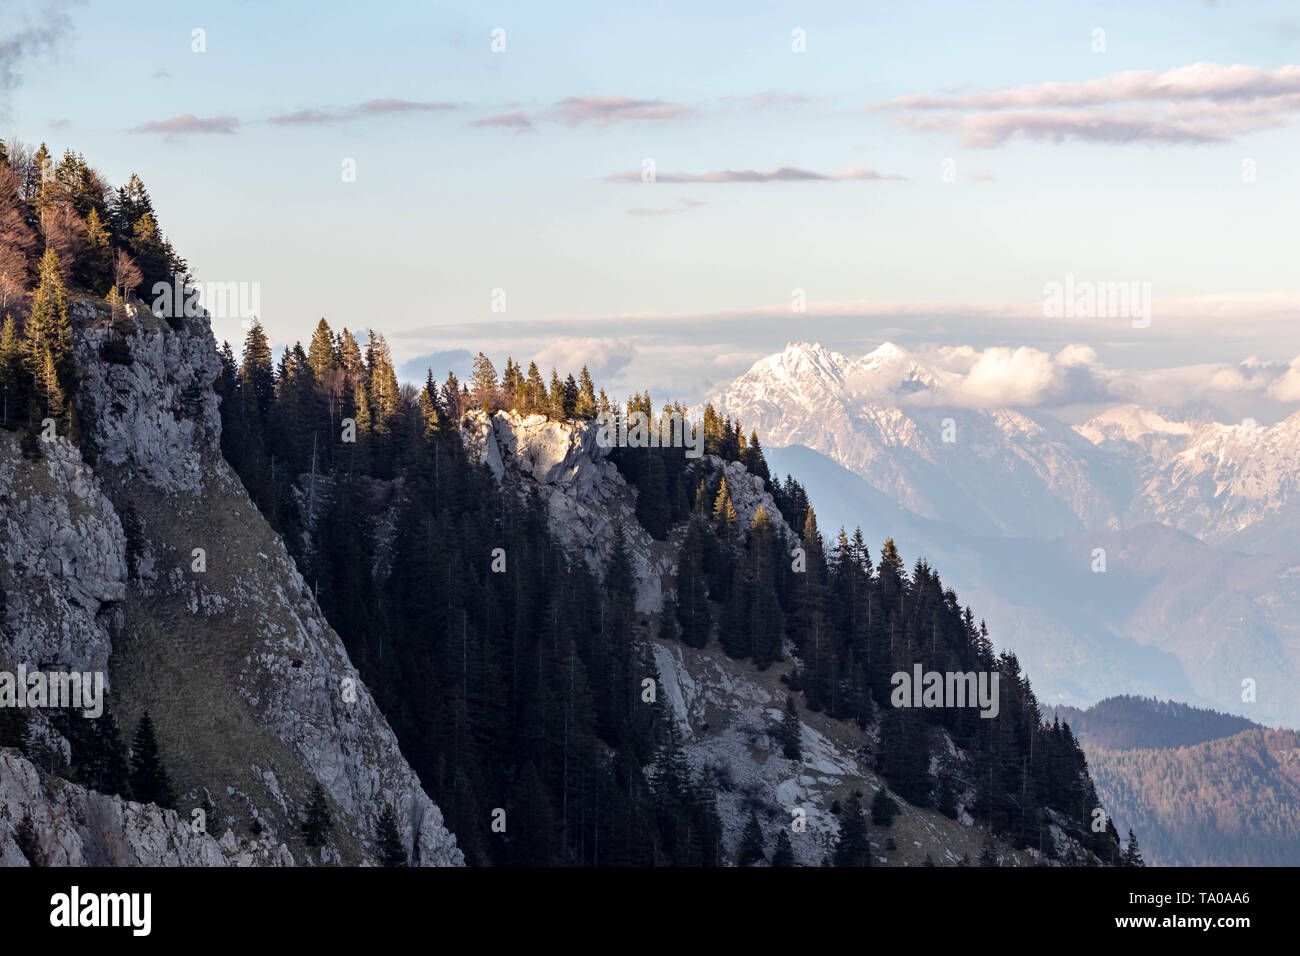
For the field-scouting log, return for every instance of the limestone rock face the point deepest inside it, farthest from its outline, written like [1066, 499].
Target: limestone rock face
[215, 631]
[64, 559]
[587, 499]
[73, 826]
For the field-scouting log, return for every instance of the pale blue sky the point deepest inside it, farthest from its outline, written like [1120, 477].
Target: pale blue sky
[444, 211]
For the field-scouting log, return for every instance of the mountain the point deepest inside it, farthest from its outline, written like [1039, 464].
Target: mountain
[999, 472]
[1170, 617]
[312, 598]
[1236, 485]
[134, 551]
[1145, 723]
[1203, 788]
[1010, 472]
[1226, 802]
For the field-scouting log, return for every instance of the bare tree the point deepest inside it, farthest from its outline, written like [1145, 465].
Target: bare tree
[14, 277]
[65, 233]
[126, 274]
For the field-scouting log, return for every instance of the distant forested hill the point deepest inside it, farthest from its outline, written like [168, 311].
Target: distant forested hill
[1234, 801]
[1128, 723]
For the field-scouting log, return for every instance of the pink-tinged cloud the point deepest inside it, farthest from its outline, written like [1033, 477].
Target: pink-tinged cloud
[189, 123]
[517, 120]
[1201, 103]
[303, 118]
[381, 107]
[782, 174]
[604, 110]
[1199, 81]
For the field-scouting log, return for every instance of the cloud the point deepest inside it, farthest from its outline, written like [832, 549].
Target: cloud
[417, 369]
[604, 110]
[981, 176]
[303, 118]
[1199, 103]
[1287, 387]
[20, 44]
[1002, 377]
[380, 107]
[517, 120]
[189, 123]
[788, 174]
[603, 356]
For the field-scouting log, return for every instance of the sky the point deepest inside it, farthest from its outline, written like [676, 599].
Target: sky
[845, 173]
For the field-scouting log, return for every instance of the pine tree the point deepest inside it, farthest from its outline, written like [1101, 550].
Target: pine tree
[318, 823]
[784, 854]
[256, 371]
[25, 837]
[946, 802]
[1133, 855]
[929, 861]
[987, 855]
[13, 728]
[852, 848]
[389, 848]
[483, 383]
[751, 842]
[791, 731]
[149, 781]
[97, 264]
[586, 405]
[48, 324]
[883, 808]
[724, 513]
[13, 374]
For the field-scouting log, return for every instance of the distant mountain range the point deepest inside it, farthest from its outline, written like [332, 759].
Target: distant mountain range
[887, 417]
[1195, 522]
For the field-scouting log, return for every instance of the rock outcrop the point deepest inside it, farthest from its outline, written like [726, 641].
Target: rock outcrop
[145, 558]
[586, 497]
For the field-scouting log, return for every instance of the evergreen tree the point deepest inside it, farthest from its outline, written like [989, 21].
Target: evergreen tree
[987, 855]
[13, 374]
[25, 838]
[149, 781]
[389, 847]
[483, 383]
[317, 824]
[13, 728]
[791, 731]
[852, 848]
[724, 512]
[946, 802]
[883, 808]
[1132, 854]
[784, 853]
[96, 272]
[751, 842]
[48, 325]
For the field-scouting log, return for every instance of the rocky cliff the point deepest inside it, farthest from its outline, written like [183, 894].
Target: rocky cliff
[728, 712]
[136, 551]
